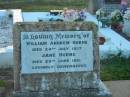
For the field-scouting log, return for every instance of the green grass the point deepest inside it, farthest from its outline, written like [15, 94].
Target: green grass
[115, 68]
[42, 5]
[2, 83]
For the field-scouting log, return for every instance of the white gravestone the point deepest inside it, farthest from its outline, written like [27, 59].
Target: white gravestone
[60, 51]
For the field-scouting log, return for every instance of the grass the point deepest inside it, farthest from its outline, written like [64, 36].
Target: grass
[41, 5]
[2, 83]
[115, 68]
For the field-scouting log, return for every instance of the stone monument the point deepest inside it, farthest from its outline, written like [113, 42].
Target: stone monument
[57, 59]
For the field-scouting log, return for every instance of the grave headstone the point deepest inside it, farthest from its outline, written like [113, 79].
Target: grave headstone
[57, 59]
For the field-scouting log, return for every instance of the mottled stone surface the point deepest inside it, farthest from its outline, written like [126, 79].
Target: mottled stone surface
[102, 91]
[70, 84]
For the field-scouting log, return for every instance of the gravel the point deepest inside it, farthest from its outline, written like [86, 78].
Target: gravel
[119, 88]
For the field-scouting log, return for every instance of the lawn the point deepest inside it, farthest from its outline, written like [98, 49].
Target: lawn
[41, 5]
[115, 68]
[2, 83]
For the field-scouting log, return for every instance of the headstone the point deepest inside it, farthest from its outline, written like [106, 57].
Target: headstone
[57, 59]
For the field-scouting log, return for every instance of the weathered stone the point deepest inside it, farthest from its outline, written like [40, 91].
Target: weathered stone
[67, 84]
[86, 92]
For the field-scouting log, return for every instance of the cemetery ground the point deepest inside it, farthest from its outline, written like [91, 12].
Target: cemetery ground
[115, 71]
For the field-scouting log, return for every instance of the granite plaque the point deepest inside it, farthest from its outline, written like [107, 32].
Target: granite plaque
[56, 51]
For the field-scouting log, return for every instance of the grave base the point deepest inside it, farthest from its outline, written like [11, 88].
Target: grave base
[102, 91]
